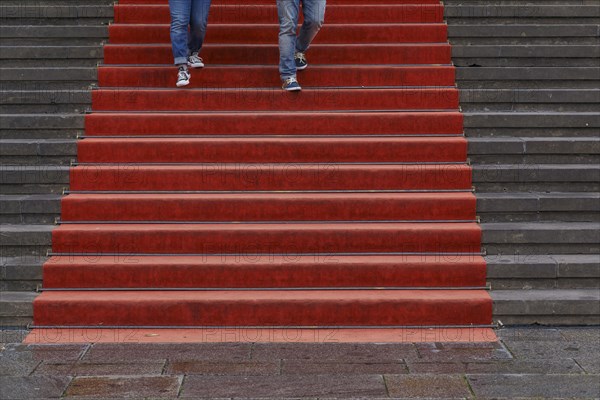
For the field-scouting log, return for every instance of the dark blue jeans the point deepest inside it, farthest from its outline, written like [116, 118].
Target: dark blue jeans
[184, 14]
[289, 43]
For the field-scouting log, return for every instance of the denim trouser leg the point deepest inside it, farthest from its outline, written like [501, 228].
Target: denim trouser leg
[287, 11]
[198, 23]
[184, 14]
[314, 15]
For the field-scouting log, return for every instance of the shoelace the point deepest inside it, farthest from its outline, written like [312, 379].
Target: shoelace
[300, 56]
[183, 73]
[194, 57]
[290, 80]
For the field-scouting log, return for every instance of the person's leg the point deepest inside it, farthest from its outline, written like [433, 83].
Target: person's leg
[287, 11]
[198, 23]
[180, 19]
[314, 16]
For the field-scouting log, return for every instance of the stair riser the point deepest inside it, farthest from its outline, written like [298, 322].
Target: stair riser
[271, 177]
[267, 34]
[267, 76]
[274, 123]
[263, 313]
[268, 207]
[267, 13]
[92, 150]
[329, 272]
[205, 239]
[275, 99]
[267, 54]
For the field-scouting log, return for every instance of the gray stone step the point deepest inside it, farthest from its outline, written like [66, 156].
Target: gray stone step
[66, 76]
[41, 126]
[513, 238]
[538, 150]
[16, 308]
[537, 271]
[29, 209]
[38, 151]
[528, 74]
[52, 56]
[529, 99]
[45, 101]
[53, 35]
[32, 179]
[538, 207]
[25, 240]
[525, 55]
[21, 273]
[73, 13]
[547, 307]
[536, 177]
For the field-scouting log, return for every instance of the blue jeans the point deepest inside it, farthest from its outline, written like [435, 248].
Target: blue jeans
[184, 13]
[289, 43]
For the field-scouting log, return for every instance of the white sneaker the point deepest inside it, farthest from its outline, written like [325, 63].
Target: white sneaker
[183, 77]
[195, 61]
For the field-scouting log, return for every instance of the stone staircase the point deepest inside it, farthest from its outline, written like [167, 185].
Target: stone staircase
[528, 74]
[49, 52]
[529, 77]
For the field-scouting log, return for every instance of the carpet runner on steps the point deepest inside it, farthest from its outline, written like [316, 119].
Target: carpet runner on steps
[231, 203]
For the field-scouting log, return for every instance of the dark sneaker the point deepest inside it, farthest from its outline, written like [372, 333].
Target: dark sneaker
[195, 61]
[291, 85]
[183, 77]
[300, 60]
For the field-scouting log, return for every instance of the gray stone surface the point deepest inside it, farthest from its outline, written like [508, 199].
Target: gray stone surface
[525, 363]
[535, 386]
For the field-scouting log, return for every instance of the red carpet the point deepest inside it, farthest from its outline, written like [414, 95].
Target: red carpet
[232, 203]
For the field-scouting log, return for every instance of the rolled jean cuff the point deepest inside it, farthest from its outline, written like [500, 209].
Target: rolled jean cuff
[181, 60]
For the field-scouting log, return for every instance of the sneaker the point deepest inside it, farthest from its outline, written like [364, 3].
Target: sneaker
[300, 60]
[195, 61]
[291, 85]
[183, 77]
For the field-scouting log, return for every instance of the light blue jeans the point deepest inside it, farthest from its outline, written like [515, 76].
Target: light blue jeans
[184, 14]
[289, 43]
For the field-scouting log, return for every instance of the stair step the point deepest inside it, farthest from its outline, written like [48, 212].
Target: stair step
[541, 238]
[260, 54]
[20, 273]
[268, 271]
[261, 123]
[263, 308]
[527, 73]
[518, 11]
[274, 150]
[317, 99]
[266, 13]
[234, 177]
[29, 209]
[25, 240]
[260, 76]
[16, 308]
[522, 31]
[347, 33]
[268, 207]
[285, 238]
[547, 307]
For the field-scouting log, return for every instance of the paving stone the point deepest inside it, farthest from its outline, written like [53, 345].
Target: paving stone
[566, 366]
[323, 386]
[103, 387]
[376, 352]
[217, 367]
[584, 334]
[87, 368]
[535, 386]
[12, 335]
[427, 386]
[529, 334]
[304, 367]
[591, 365]
[108, 352]
[32, 387]
[436, 352]
[50, 352]
[552, 350]
[16, 368]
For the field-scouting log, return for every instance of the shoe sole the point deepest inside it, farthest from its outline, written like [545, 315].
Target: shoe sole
[301, 68]
[296, 89]
[196, 65]
[182, 84]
